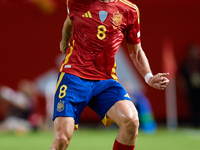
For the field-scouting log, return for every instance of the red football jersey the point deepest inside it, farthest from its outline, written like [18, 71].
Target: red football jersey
[98, 30]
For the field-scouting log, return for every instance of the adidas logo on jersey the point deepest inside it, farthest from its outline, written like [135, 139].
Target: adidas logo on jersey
[87, 15]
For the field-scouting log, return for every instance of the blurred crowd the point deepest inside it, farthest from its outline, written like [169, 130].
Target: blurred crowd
[190, 75]
[19, 107]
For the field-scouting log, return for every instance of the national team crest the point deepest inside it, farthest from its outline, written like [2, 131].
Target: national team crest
[60, 106]
[117, 18]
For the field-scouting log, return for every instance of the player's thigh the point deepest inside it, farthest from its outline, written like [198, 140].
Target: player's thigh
[122, 111]
[64, 127]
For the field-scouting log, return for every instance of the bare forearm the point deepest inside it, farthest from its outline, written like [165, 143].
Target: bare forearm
[67, 30]
[139, 59]
[66, 34]
[158, 81]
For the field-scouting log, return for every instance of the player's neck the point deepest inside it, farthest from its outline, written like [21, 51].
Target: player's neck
[106, 1]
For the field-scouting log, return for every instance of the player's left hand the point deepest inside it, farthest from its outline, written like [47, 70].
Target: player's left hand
[159, 81]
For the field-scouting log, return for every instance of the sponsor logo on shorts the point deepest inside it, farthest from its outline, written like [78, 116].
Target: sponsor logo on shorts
[60, 106]
[127, 95]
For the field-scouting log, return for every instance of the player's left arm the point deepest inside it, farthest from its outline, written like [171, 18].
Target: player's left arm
[138, 57]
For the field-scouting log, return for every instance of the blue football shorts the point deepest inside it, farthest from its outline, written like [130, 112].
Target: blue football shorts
[73, 94]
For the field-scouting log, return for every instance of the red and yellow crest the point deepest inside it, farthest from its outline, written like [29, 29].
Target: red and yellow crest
[117, 18]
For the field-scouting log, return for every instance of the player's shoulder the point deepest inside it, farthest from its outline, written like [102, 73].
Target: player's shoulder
[128, 4]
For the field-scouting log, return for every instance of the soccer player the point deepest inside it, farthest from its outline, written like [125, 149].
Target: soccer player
[95, 30]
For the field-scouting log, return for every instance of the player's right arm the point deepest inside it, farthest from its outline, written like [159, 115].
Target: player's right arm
[66, 34]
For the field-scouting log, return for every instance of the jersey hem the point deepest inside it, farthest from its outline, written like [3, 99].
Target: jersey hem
[83, 77]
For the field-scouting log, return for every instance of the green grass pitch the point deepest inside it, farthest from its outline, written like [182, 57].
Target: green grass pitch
[102, 139]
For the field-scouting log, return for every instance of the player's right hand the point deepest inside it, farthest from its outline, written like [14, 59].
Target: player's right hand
[159, 81]
[63, 47]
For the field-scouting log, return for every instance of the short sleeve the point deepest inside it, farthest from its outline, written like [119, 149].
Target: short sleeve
[70, 8]
[133, 27]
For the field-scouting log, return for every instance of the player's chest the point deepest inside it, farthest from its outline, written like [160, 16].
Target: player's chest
[110, 17]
